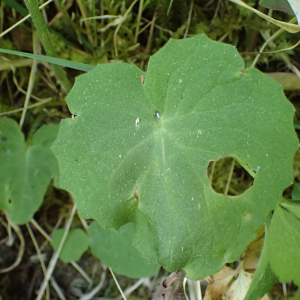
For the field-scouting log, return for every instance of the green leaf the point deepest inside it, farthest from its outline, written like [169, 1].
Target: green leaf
[139, 153]
[114, 249]
[264, 277]
[26, 169]
[284, 243]
[282, 5]
[17, 7]
[296, 191]
[52, 60]
[76, 243]
[292, 207]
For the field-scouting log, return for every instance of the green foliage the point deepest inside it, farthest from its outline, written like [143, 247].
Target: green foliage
[283, 242]
[74, 246]
[44, 36]
[139, 153]
[26, 169]
[52, 60]
[164, 215]
[114, 249]
[17, 7]
[282, 5]
[296, 191]
[263, 278]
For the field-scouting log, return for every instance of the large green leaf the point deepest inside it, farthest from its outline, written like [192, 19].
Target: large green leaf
[139, 153]
[25, 169]
[114, 249]
[282, 5]
[284, 242]
[76, 243]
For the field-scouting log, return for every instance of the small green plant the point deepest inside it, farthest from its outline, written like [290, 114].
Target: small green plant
[138, 151]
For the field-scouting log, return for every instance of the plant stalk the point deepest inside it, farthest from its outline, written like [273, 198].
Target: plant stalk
[44, 36]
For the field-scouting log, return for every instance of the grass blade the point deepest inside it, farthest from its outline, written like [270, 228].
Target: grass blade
[52, 60]
[17, 7]
[44, 36]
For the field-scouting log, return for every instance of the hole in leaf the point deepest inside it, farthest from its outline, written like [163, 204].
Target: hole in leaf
[9, 200]
[4, 138]
[228, 177]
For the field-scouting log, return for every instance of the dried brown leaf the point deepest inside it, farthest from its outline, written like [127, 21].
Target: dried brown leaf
[240, 286]
[253, 252]
[220, 284]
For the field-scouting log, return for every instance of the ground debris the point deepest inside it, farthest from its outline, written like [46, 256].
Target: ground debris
[171, 288]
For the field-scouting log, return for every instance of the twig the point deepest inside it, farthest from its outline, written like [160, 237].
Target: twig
[40, 229]
[38, 251]
[132, 288]
[93, 292]
[84, 224]
[55, 256]
[189, 20]
[57, 289]
[272, 52]
[117, 283]
[82, 272]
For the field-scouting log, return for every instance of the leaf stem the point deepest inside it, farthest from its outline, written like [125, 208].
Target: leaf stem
[28, 107]
[274, 36]
[31, 80]
[83, 11]
[120, 24]
[138, 21]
